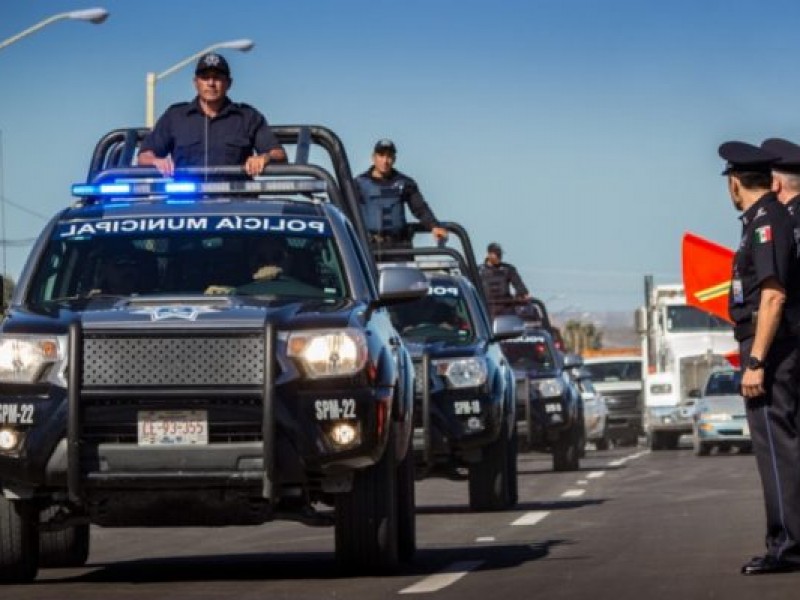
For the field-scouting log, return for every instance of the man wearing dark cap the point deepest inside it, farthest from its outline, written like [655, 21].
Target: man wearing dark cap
[786, 175]
[385, 192]
[211, 130]
[765, 287]
[498, 278]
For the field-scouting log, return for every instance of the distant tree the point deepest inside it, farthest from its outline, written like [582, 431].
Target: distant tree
[580, 336]
[8, 290]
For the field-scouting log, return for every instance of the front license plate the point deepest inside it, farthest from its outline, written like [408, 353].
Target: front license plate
[173, 427]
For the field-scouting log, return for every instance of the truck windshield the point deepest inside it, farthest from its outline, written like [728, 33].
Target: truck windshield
[529, 356]
[618, 370]
[437, 317]
[689, 318]
[89, 268]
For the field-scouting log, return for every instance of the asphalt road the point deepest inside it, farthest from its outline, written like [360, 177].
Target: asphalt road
[629, 524]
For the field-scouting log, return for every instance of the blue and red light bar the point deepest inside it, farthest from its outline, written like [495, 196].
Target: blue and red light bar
[146, 188]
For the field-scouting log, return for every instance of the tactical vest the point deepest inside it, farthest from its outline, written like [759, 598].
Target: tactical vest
[495, 282]
[382, 205]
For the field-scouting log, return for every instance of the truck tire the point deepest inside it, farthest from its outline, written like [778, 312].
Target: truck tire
[63, 548]
[19, 541]
[490, 480]
[700, 448]
[513, 483]
[566, 454]
[655, 441]
[366, 518]
[671, 440]
[406, 506]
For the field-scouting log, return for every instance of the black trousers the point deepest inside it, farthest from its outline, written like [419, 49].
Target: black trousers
[774, 423]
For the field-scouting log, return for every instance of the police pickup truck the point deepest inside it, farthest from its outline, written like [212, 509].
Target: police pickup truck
[208, 350]
[549, 402]
[465, 399]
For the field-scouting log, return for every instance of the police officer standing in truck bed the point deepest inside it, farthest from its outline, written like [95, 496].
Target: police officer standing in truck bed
[765, 288]
[385, 192]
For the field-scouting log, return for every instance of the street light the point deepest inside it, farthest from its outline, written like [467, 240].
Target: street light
[93, 15]
[150, 82]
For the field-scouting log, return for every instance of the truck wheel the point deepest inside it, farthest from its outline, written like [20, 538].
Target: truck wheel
[671, 440]
[513, 493]
[565, 451]
[406, 506]
[19, 541]
[490, 486]
[655, 441]
[63, 548]
[700, 448]
[366, 518]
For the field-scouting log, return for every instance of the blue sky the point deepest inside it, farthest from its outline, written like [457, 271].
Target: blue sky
[580, 134]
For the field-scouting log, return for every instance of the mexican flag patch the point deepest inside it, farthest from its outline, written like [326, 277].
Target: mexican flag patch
[764, 234]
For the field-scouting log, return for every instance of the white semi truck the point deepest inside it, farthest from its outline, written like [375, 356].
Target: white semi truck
[681, 344]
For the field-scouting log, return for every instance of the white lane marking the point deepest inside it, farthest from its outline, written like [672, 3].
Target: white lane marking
[447, 576]
[621, 461]
[486, 538]
[595, 474]
[573, 493]
[582, 482]
[531, 518]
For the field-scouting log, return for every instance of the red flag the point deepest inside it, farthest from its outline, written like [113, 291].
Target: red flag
[707, 269]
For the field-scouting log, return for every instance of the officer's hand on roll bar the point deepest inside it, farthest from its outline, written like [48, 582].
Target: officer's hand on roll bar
[255, 164]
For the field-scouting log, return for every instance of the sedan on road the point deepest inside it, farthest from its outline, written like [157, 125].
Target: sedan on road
[719, 416]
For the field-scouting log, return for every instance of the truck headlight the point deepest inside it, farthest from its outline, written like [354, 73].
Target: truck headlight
[462, 372]
[549, 388]
[32, 358]
[329, 353]
[661, 388]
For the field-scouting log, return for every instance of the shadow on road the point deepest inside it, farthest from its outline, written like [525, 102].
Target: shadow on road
[271, 566]
[521, 506]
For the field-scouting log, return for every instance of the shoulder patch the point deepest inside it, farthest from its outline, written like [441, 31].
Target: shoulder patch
[763, 234]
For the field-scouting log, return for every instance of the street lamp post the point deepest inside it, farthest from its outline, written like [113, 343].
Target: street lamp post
[92, 15]
[150, 81]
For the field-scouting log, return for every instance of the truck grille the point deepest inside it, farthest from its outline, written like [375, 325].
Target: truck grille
[173, 360]
[622, 401]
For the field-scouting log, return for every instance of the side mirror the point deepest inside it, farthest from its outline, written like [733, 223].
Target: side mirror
[694, 394]
[506, 327]
[401, 284]
[572, 361]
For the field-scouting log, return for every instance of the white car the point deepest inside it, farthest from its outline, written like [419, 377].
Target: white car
[595, 410]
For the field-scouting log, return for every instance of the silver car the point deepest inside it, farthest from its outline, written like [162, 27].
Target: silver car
[719, 416]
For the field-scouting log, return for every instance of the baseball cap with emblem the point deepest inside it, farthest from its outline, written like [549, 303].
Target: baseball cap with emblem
[742, 157]
[788, 154]
[213, 62]
[385, 145]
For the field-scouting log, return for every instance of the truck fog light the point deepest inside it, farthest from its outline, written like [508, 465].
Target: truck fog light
[474, 424]
[8, 439]
[343, 434]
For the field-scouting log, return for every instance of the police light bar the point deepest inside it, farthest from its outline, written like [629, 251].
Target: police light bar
[140, 188]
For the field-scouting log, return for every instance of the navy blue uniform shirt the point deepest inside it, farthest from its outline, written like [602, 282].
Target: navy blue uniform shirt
[194, 140]
[767, 249]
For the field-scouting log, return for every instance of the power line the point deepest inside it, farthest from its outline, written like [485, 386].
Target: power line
[24, 209]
